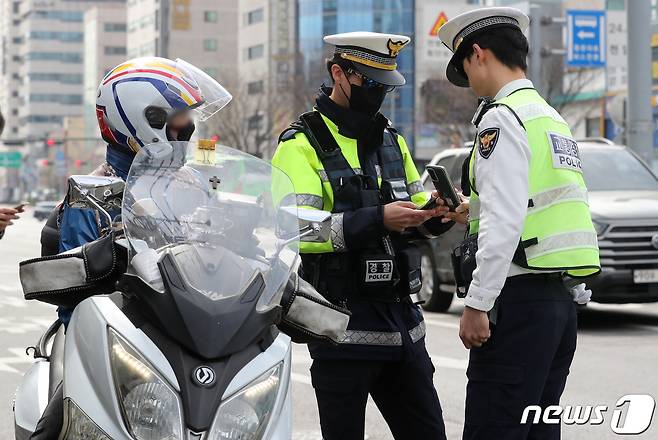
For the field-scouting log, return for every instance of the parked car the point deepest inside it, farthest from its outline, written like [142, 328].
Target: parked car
[43, 209]
[623, 200]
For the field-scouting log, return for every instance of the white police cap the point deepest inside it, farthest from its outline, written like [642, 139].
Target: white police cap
[470, 23]
[373, 54]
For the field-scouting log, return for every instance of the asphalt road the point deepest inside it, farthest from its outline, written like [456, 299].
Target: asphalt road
[617, 355]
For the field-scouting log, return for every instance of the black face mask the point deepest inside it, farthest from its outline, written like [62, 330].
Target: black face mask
[367, 101]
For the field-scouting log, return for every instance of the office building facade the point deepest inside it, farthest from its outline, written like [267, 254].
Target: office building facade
[317, 18]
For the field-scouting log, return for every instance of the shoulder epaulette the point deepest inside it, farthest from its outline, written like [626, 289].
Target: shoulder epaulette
[291, 131]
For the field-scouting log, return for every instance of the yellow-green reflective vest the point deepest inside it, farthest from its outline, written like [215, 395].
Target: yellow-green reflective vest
[558, 233]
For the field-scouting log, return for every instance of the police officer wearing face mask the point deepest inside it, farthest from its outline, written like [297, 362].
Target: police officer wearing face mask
[344, 157]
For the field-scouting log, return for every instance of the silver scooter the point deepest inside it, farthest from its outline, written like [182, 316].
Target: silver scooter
[186, 346]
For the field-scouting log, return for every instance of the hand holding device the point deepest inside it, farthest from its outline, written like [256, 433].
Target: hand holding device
[443, 185]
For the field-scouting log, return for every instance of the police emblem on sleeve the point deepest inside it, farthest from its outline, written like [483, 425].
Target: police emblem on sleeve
[487, 140]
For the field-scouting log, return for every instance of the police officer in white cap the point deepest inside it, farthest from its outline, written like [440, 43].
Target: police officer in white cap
[344, 157]
[529, 229]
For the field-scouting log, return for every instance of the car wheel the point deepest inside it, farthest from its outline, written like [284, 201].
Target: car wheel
[436, 300]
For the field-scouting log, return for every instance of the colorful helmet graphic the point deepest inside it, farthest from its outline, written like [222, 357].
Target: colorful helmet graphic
[137, 99]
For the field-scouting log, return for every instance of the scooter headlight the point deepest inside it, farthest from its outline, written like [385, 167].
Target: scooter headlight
[151, 408]
[78, 426]
[245, 415]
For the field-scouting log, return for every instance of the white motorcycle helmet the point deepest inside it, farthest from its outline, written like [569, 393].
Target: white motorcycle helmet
[137, 99]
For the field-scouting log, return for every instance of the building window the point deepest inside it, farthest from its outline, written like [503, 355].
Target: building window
[211, 71]
[255, 16]
[67, 37]
[115, 27]
[255, 87]
[254, 122]
[210, 16]
[254, 52]
[65, 57]
[210, 45]
[56, 98]
[593, 127]
[71, 16]
[115, 50]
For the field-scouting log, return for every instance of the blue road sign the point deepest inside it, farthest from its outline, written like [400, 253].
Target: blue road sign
[586, 38]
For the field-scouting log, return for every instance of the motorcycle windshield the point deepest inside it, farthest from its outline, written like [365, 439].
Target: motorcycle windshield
[226, 217]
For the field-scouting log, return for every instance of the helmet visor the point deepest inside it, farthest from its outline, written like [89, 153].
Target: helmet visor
[214, 97]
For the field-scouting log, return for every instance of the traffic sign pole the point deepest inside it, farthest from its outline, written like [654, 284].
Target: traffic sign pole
[640, 121]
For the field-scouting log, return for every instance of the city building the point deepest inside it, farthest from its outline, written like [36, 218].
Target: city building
[266, 98]
[104, 48]
[10, 80]
[51, 69]
[317, 18]
[201, 32]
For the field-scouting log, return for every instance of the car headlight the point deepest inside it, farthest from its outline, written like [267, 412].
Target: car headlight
[78, 426]
[245, 415]
[151, 408]
[599, 227]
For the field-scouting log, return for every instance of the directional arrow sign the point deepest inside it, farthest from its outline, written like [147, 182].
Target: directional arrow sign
[586, 38]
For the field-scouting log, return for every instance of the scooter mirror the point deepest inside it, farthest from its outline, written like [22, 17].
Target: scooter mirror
[90, 191]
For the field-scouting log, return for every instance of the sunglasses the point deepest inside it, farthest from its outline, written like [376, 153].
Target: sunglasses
[369, 83]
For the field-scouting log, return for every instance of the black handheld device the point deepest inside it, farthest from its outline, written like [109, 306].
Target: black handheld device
[443, 185]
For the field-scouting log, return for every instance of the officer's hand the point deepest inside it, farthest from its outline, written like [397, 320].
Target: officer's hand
[6, 217]
[460, 215]
[399, 216]
[474, 328]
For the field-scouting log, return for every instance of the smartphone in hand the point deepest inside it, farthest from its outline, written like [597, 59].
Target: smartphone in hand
[20, 206]
[443, 185]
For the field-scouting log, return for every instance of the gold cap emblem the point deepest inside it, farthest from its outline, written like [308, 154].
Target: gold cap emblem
[394, 47]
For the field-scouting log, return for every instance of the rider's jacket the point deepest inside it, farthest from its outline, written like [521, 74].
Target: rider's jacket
[337, 166]
[69, 228]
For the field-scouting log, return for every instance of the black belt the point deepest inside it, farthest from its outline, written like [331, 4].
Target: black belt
[516, 288]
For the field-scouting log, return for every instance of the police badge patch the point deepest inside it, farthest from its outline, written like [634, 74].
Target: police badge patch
[487, 140]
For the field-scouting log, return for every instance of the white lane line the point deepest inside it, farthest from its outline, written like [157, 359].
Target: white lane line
[437, 323]
[448, 362]
[19, 357]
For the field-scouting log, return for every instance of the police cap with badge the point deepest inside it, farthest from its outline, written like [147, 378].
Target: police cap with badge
[457, 33]
[373, 55]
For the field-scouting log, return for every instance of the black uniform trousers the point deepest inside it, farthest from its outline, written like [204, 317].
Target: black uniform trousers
[402, 390]
[525, 362]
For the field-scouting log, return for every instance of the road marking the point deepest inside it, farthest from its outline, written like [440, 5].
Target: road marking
[19, 357]
[24, 325]
[438, 323]
[448, 362]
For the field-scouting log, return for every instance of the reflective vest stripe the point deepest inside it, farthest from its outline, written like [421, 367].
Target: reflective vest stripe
[528, 112]
[415, 187]
[542, 200]
[561, 194]
[337, 235]
[311, 200]
[562, 242]
[394, 339]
